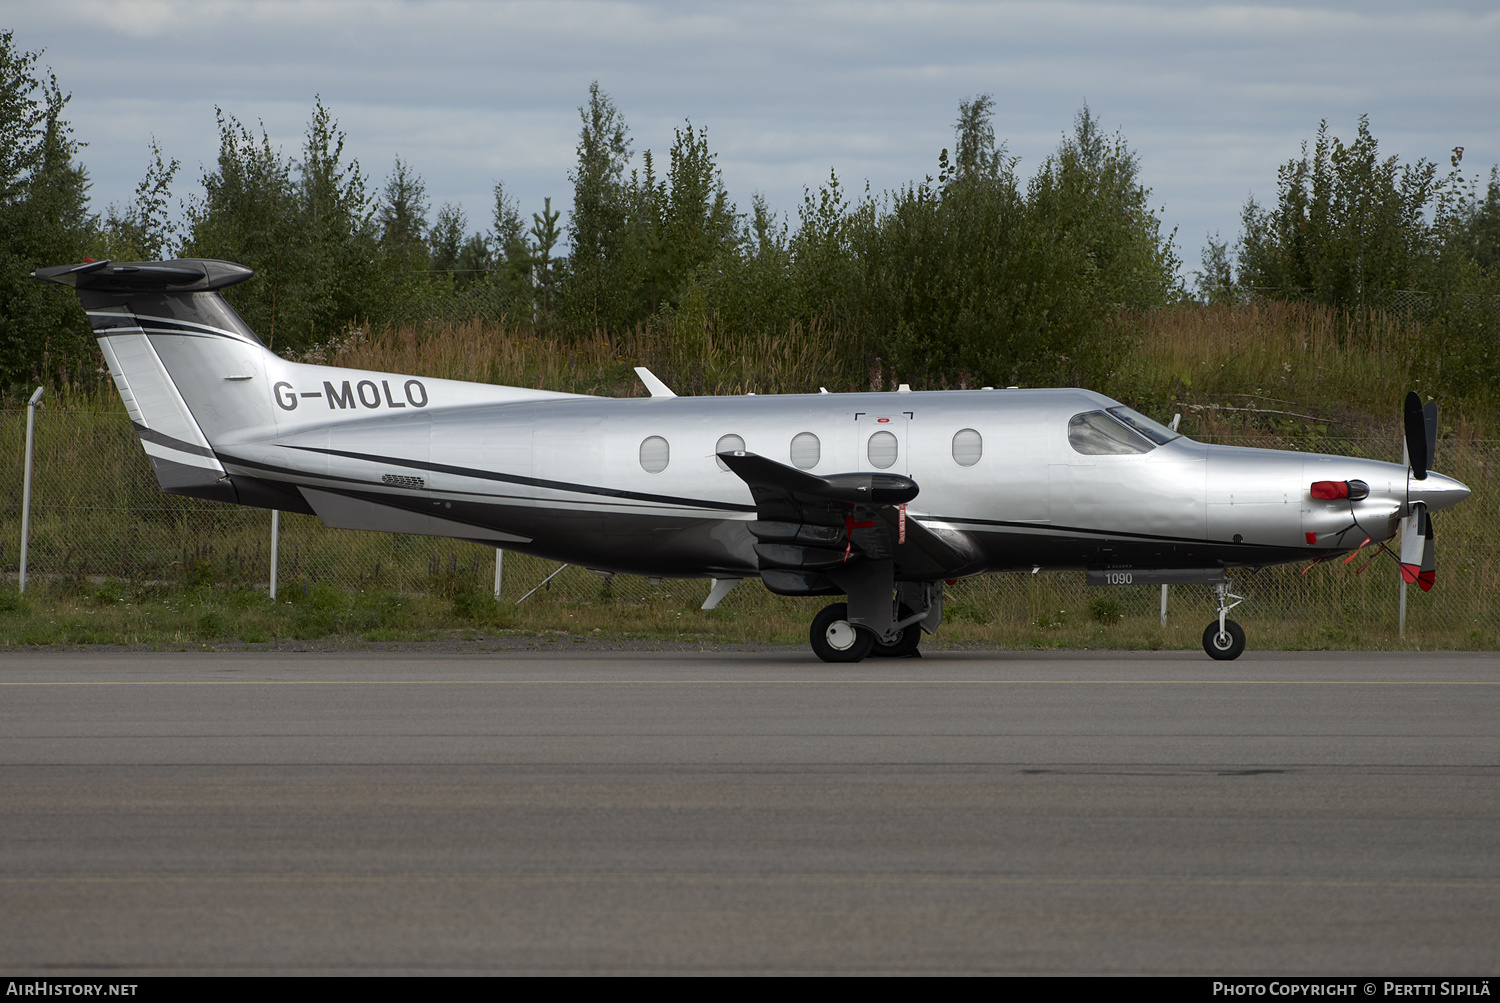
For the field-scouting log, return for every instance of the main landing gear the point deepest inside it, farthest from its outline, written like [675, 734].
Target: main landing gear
[1223, 639]
[903, 647]
[835, 639]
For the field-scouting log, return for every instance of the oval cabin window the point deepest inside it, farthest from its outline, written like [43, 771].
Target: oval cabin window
[730, 443]
[882, 449]
[806, 450]
[968, 447]
[655, 454]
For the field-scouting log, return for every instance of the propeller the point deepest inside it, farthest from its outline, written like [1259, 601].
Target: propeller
[1421, 434]
[1418, 562]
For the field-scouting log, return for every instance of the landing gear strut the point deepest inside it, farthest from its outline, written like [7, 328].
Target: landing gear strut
[903, 647]
[1223, 639]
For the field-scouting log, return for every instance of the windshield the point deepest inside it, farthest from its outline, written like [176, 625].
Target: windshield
[1155, 431]
[1095, 433]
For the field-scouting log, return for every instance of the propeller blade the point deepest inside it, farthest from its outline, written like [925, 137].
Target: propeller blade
[1413, 543]
[1429, 560]
[1429, 419]
[1415, 420]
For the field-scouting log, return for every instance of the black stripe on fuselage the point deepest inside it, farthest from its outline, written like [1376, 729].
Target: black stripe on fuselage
[535, 482]
[321, 485]
[1272, 553]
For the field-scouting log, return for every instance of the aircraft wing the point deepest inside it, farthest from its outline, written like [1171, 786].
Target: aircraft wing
[808, 526]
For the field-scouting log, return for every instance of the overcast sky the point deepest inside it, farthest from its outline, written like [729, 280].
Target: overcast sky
[1211, 97]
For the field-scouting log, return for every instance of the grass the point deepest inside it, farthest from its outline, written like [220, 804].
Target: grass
[1331, 608]
[484, 351]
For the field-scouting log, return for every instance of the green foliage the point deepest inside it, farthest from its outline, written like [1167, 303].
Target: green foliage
[1215, 284]
[598, 299]
[974, 281]
[1106, 609]
[1482, 227]
[144, 230]
[976, 154]
[648, 246]
[11, 601]
[1088, 197]
[478, 606]
[249, 214]
[307, 228]
[1364, 233]
[446, 238]
[44, 220]
[1346, 223]
[514, 257]
[109, 593]
[827, 274]
[403, 216]
[545, 271]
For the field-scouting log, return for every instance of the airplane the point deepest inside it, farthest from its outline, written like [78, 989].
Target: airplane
[881, 498]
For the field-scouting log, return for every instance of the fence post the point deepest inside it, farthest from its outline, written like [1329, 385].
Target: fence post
[1401, 617]
[499, 569]
[26, 484]
[275, 544]
[1163, 607]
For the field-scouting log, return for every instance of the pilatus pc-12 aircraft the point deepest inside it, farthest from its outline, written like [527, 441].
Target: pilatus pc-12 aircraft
[879, 497]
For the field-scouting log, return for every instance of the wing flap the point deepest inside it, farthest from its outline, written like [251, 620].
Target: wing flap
[810, 526]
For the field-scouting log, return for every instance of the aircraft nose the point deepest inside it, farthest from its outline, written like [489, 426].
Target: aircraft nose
[1438, 491]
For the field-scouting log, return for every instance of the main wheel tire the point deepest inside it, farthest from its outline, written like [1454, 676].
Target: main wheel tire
[835, 639]
[1227, 646]
[905, 647]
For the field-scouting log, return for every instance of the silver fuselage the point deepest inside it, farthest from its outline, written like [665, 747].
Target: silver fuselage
[563, 478]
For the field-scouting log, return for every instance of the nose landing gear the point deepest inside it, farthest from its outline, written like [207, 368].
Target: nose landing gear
[1223, 639]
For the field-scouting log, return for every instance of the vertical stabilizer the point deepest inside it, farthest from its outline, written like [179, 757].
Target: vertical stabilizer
[127, 305]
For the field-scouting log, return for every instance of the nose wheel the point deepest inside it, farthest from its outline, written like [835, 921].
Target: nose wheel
[1223, 639]
[1224, 643]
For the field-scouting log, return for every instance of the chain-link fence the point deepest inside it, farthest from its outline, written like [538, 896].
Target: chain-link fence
[1409, 303]
[97, 513]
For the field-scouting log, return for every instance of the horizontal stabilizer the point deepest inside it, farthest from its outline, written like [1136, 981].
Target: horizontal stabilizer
[182, 276]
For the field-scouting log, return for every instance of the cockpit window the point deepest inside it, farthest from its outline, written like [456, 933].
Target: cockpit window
[1153, 430]
[1095, 433]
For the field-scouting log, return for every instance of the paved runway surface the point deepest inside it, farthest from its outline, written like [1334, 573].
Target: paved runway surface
[633, 812]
